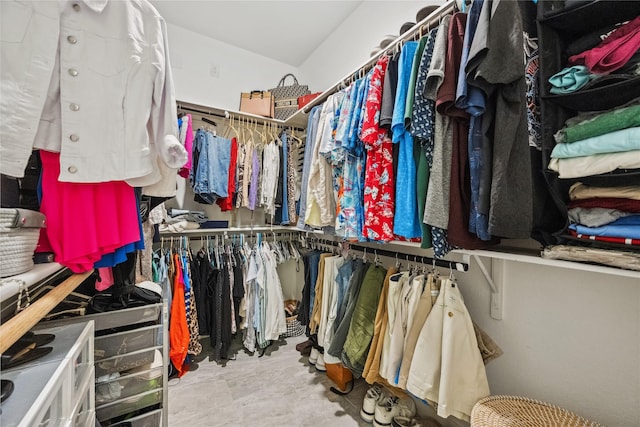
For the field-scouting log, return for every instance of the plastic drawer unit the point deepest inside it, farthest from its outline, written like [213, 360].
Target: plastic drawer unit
[55, 389]
[150, 419]
[129, 404]
[127, 362]
[120, 386]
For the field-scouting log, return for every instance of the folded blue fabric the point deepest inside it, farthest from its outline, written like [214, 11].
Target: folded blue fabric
[570, 79]
[626, 227]
[612, 142]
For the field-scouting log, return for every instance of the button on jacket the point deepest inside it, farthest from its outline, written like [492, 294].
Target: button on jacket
[90, 79]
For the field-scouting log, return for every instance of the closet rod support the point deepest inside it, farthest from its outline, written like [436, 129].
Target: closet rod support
[495, 282]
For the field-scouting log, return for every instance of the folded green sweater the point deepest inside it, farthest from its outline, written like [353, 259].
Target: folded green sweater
[610, 121]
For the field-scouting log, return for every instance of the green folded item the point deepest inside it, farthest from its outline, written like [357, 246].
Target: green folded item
[604, 123]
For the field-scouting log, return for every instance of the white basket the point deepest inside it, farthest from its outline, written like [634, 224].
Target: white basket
[17, 244]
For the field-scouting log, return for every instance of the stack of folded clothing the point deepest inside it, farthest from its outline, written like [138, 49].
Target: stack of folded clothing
[598, 142]
[605, 214]
[609, 55]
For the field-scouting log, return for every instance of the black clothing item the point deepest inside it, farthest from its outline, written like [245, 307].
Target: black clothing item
[303, 311]
[23, 192]
[201, 273]
[215, 294]
[225, 281]
[389, 92]
[238, 286]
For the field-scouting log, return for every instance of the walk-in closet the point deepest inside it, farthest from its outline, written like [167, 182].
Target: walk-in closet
[320, 213]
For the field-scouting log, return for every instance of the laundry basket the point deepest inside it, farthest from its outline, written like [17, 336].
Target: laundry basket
[514, 411]
[19, 234]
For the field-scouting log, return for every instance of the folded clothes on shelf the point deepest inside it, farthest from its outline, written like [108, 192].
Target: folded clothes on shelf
[613, 142]
[589, 125]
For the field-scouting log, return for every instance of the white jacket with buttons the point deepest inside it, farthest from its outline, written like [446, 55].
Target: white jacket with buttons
[90, 79]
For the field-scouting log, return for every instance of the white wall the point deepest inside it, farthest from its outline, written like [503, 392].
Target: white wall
[569, 337]
[350, 45]
[192, 56]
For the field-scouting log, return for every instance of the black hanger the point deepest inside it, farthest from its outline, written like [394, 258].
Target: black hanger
[211, 122]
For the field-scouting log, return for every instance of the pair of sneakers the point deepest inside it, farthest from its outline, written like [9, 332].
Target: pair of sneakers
[381, 409]
[317, 358]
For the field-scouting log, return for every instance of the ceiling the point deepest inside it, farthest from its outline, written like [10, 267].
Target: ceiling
[287, 31]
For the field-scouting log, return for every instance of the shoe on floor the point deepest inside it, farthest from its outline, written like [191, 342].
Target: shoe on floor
[385, 410]
[304, 347]
[371, 399]
[399, 421]
[404, 422]
[313, 356]
[406, 408]
[320, 366]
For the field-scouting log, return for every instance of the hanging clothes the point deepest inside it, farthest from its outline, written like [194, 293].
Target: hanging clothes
[186, 138]
[226, 203]
[379, 191]
[436, 211]
[406, 222]
[178, 328]
[293, 188]
[86, 221]
[371, 371]
[427, 299]
[312, 126]
[210, 177]
[270, 176]
[356, 346]
[355, 283]
[453, 376]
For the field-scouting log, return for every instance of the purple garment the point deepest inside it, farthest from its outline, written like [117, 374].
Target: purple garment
[253, 188]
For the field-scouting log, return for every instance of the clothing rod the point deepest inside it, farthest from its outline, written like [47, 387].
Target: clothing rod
[433, 18]
[237, 114]
[454, 265]
[211, 231]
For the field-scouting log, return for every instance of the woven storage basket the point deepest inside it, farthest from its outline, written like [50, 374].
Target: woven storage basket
[17, 242]
[514, 411]
[294, 328]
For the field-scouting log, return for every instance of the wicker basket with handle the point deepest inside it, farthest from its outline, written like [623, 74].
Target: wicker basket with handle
[19, 234]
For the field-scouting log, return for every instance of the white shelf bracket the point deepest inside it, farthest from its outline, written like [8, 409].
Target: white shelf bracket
[495, 282]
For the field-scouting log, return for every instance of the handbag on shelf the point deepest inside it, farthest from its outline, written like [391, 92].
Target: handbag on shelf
[258, 102]
[305, 99]
[286, 97]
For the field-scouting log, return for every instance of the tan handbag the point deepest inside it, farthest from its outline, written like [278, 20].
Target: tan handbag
[257, 102]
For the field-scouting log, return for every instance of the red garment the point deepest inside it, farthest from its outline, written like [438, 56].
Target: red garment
[379, 182]
[226, 203]
[178, 328]
[614, 52]
[371, 131]
[379, 192]
[619, 240]
[84, 220]
[624, 205]
[188, 145]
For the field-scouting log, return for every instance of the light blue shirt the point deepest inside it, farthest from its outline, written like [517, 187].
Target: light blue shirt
[613, 142]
